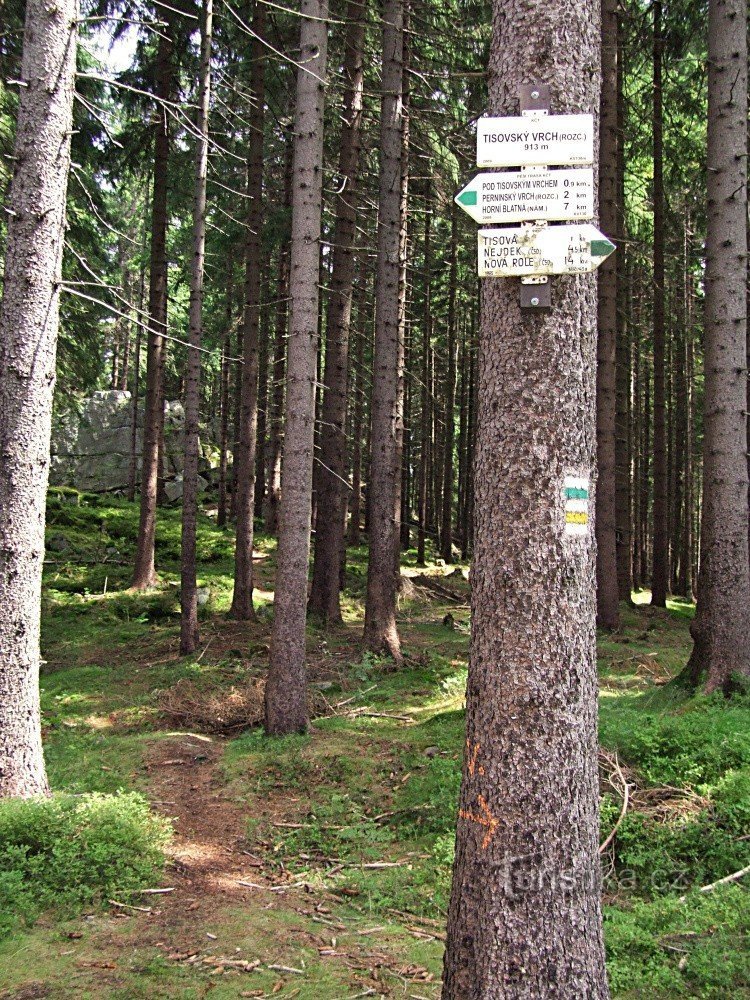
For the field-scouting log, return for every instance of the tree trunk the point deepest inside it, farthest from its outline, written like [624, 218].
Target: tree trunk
[133, 464]
[721, 628]
[660, 565]
[278, 375]
[623, 397]
[607, 591]
[29, 315]
[525, 913]
[189, 589]
[355, 519]
[446, 533]
[244, 459]
[381, 634]
[424, 414]
[261, 439]
[221, 513]
[330, 522]
[144, 574]
[286, 687]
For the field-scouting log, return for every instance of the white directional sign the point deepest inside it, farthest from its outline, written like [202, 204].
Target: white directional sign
[538, 140]
[541, 249]
[522, 195]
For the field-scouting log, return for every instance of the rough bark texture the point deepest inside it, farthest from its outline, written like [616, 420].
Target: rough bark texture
[721, 628]
[244, 459]
[286, 688]
[607, 592]
[189, 590]
[381, 634]
[525, 917]
[623, 437]
[276, 422]
[330, 520]
[424, 406]
[446, 532]
[133, 465]
[358, 381]
[660, 576]
[28, 344]
[221, 513]
[144, 574]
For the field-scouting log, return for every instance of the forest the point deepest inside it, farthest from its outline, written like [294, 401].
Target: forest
[374, 531]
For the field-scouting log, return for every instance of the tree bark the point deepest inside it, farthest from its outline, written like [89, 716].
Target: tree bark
[244, 459]
[446, 533]
[525, 913]
[355, 513]
[278, 376]
[425, 409]
[607, 591]
[144, 574]
[221, 513]
[189, 633]
[330, 521]
[660, 564]
[133, 464]
[286, 688]
[381, 634]
[29, 315]
[721, 628]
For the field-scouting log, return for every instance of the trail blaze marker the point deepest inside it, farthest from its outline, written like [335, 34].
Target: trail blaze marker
[576, 494]
[518, 195]
[535, 140]
[536, 250]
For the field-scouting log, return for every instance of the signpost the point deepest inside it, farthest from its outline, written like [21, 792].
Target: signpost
[535, 196]
[520, 195]
[537, 250]
[535, 140]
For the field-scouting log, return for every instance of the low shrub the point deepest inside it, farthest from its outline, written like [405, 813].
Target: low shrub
[70, 851]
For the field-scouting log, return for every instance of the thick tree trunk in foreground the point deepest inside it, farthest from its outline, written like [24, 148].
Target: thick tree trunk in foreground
[660, 575]
[721, 628]
[286, 687]
[607, 591]
[525, 916]
[244, 459]
[144, 574]
[189, 589]
[381, 634]
[28, 345]
[330, 521]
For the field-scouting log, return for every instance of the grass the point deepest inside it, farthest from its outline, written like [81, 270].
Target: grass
[376, 783]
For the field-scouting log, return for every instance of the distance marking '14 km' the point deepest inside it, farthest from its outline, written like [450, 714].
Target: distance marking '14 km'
[522, 195]
[535, 141]
[541, 249]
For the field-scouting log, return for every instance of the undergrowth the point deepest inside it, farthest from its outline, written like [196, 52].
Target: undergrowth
[67, 851]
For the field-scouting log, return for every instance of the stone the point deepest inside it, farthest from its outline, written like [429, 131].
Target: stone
[91, 443]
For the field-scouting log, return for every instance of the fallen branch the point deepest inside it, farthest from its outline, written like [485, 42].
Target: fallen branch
[129, 906]
[734, 877]
[625, 798]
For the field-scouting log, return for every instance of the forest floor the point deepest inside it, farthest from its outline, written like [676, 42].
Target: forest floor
[318, 866]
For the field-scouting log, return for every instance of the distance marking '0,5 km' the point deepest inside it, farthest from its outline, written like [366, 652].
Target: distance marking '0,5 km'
[520, 195]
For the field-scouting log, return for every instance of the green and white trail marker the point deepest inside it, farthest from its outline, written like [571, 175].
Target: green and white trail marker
[521, 195]
[540, 249]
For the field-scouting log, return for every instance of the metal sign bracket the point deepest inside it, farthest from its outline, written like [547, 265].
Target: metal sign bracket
[536, 290]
